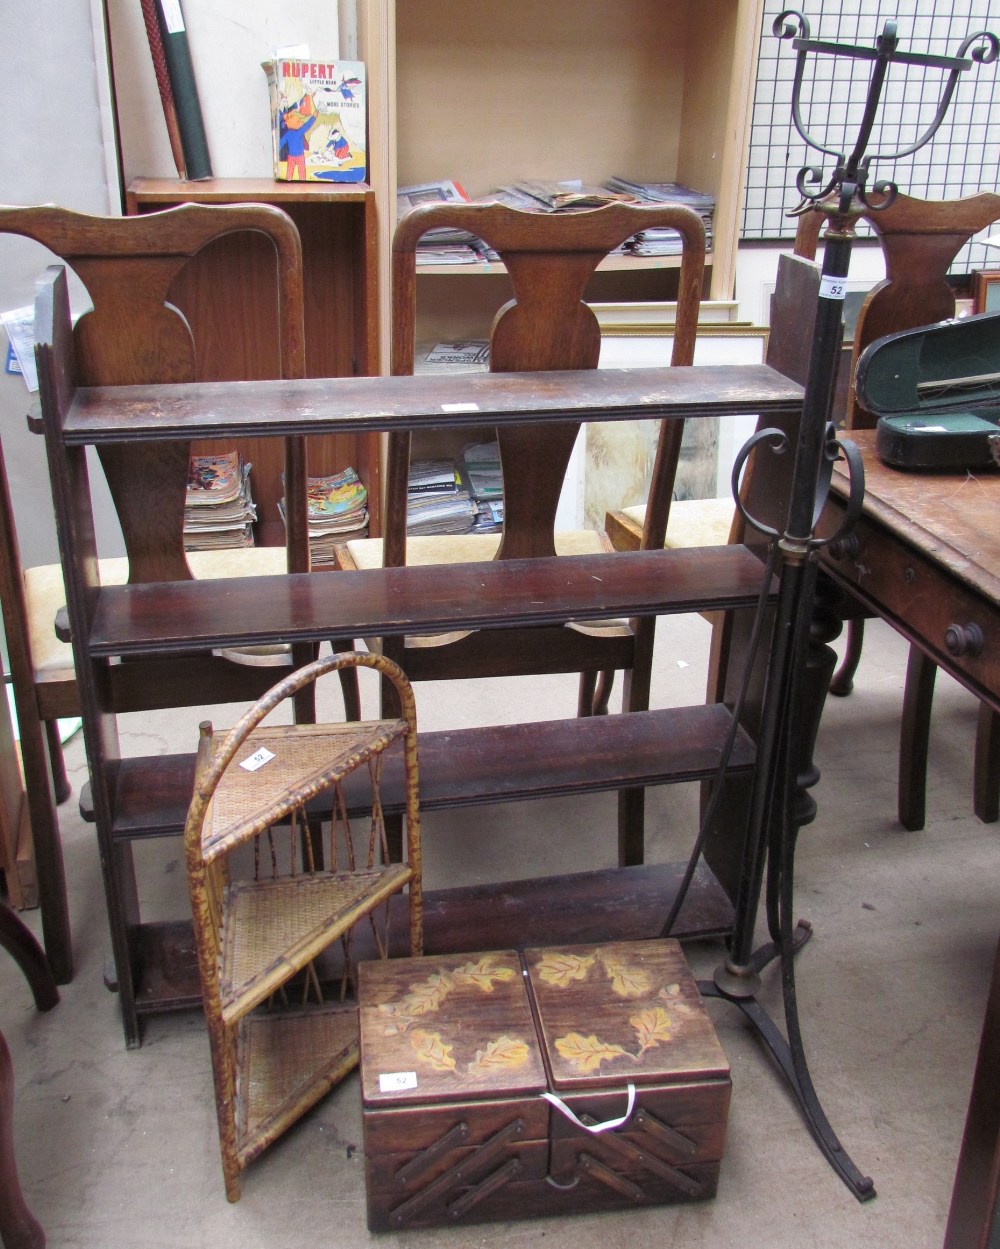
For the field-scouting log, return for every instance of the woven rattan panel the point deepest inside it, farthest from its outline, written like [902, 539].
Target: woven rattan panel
[306, 757]
[286, 1062]
[298, 916]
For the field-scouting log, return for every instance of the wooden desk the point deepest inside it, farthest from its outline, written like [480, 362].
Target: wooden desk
[926, 557]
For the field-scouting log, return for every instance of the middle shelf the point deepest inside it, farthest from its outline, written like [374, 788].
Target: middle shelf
[175, 617]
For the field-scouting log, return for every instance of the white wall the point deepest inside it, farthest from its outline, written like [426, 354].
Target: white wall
[53, 99]
[229, 39]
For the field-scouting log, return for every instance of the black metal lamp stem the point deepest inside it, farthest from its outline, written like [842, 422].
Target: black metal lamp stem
[779, 805]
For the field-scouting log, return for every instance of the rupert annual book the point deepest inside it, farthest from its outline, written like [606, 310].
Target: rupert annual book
[318, 117]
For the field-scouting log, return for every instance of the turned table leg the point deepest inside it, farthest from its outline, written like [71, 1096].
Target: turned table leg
[18, 1227]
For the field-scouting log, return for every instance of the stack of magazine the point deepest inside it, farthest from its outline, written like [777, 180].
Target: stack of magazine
[568, 196]
[436, 500]
[664, 242]
[554, 197]
[444, 246]
[467, 355]
[218, 508]
[481, 469]
[338, 513]
[458, 247]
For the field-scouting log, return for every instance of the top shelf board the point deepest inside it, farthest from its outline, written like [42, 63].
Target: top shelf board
[125, 414]
[168, 191]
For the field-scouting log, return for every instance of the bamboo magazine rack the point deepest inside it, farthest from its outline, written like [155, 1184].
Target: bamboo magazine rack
[275, 885]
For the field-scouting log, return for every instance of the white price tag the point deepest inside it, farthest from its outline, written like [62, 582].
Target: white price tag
[397, 1081]
[257, 759]
[832, 288]
[459, 407]
[173, 19]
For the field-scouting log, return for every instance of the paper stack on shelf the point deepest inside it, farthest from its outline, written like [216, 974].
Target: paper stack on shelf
[436, 500]
[572, 195]
[513, 198]
[338, 512]
[470, 355]
[444, 246]
[218, 508]
[569, 195]
[664, 242]
[481, 470]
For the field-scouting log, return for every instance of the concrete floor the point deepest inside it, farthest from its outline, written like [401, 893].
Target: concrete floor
[119, 1148]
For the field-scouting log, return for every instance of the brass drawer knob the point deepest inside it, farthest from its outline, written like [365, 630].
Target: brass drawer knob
[963, 640]
[847, 547]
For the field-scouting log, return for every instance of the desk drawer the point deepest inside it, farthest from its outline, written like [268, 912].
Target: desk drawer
[921, 598]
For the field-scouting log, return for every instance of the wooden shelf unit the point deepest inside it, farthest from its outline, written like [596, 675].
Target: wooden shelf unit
[137, 800]
[339, 253]
[489, 94]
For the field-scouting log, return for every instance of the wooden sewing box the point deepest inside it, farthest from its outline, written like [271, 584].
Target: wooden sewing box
[465, 1057]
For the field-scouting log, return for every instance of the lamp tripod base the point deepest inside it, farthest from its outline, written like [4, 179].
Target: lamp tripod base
[738, 985]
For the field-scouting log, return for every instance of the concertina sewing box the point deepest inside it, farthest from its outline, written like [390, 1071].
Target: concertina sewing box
[551, 1081]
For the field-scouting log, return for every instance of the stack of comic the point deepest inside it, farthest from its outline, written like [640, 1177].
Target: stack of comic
[570, 195]
[219, 510]
[338, 512]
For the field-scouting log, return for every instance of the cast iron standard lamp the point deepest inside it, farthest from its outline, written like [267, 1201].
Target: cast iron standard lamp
[780, 806]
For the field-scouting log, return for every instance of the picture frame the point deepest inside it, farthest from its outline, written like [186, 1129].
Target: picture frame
[985, 290]
[618, 458]
[856, 292]
[627, 316]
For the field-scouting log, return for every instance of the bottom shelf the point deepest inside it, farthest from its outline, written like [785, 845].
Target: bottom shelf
[287, 1060]
[623, 904]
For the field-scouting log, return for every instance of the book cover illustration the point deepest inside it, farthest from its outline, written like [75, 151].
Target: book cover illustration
[338, 512]
[318, 118]
[336, 495]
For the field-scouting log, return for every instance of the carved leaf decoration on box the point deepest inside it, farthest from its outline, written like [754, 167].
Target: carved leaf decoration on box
[484, 974]
[652, 1027]
[588, 1052]
[427, 996]
[423, 998]
[561, 969]
[431, 1049]
[504, 1053]
[626, 981]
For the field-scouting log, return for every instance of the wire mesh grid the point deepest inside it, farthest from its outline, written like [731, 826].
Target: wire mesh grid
[962, 159]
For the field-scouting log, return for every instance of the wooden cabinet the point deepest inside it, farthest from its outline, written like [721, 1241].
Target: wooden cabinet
[490, 93]
[137, 799]
[339, 245]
